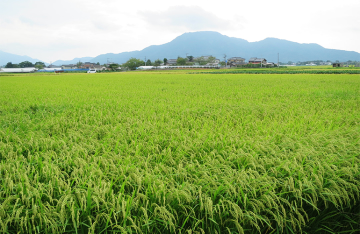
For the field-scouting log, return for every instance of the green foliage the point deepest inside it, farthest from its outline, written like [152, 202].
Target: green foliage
[165, 61]
[179, 153]
[113, 66]
[26, 64]
[157, 62]
[181, 61]
[39, 65]
[79, 64]
[9, 65]
[133, 63]
[148, 62]
[200, 60]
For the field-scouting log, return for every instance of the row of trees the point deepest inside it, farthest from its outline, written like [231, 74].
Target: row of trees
[190, 60]
[38, 65]
[131, 64]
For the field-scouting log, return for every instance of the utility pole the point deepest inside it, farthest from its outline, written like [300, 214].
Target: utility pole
[278, 59]
[145, 60]
[225, 60]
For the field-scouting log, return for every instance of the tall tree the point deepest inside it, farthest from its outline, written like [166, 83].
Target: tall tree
[165, 61]
[79, 64]
[190, 58]
[180, 61]
[157, 62]
[148, 62]
[133, 63]
[39, 65]
[201, 60]
[26, 64]
[9, 65]
[113, 66]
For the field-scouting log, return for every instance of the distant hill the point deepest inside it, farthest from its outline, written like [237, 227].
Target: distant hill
[15, 59]
[216, 44]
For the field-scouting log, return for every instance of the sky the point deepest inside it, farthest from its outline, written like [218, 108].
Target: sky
[67, 29]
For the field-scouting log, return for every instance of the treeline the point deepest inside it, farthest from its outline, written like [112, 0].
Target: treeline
[38, 65]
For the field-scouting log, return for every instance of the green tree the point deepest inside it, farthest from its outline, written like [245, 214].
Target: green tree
[9, 65]
[211, 59]
[113, 66]
[39, 65]
[165, 61]
[190, 58]
[97, 63]
[133, 63]
[79, 64]
[180, 61]
[157, 62]
[26, 64]
[148, 62]
[201, 60]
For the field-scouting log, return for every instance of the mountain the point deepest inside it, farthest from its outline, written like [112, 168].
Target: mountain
[216, 44]
[15, 59]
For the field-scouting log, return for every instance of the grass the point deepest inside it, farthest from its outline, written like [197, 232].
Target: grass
[146, 152]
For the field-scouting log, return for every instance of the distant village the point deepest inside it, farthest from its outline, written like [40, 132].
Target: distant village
[187, 62]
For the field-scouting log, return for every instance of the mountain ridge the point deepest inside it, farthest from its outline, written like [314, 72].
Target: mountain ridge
[216, 44]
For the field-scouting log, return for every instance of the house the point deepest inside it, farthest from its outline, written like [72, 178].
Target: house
[88, 65]
[234, 61]
[53, 66]
[171, 61]
[255, 60]
[270, 64]
[99, 67]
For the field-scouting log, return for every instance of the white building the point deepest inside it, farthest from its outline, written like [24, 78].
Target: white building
[18, 70]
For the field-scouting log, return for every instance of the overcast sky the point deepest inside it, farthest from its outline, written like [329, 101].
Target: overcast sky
[53, 30]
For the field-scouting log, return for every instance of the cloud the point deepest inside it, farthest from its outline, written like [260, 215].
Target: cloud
[192, 18]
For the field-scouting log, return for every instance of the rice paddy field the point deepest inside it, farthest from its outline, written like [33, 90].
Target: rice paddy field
[157, 152]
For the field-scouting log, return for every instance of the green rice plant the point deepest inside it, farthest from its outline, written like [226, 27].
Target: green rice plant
[150, 152]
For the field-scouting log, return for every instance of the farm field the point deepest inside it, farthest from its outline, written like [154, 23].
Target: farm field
[159, 152]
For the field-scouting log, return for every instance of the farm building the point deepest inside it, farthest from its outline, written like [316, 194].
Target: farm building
[234, 61]
[18, 70]
[255, 60]
[338, 65]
